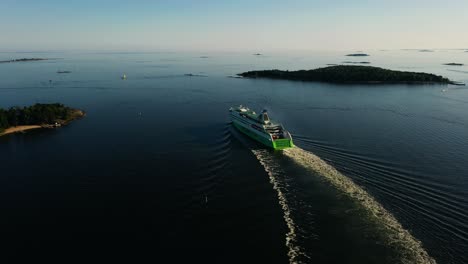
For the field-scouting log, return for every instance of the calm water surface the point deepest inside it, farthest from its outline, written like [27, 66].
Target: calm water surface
[155, 170]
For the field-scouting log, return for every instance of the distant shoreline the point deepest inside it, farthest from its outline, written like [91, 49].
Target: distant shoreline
[24, 60]
[453, 64]
[358, 55]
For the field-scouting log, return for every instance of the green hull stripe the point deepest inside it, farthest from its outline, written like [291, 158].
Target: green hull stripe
[277, 144]
[283, 143]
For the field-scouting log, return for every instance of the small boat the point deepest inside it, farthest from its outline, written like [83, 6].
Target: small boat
[261, 128]
[124, 77]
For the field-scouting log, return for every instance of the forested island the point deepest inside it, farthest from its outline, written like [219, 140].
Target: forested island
[349, 74]
[24, 60]
[453, 64]
[357, 55]
[357, 62]
[17, 119]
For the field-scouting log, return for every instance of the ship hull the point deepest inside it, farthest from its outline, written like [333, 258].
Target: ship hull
[277, 144]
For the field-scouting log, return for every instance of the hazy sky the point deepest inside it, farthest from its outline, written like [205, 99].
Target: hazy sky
[254, 25]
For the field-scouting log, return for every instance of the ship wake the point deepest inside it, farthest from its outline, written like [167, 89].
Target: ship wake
[295, 253]
[410, 249]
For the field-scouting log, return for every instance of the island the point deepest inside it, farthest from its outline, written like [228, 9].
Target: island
[257, 54]
[357, 62]
[194, 75]
[426, 50]
[453, 64]
[17, 119]
[352, 74]
[358, 55]
[24, 60]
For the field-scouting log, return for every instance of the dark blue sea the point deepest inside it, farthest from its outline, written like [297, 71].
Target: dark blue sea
[155, 172]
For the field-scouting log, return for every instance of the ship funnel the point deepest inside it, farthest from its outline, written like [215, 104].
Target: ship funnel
[264, 118]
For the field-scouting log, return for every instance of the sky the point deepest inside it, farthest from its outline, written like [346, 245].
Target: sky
[241, 25]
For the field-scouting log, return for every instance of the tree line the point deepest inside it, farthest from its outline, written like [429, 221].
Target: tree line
[350, 74]
[34, 115]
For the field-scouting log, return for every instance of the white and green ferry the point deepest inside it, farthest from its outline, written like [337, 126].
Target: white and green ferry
[260, 127]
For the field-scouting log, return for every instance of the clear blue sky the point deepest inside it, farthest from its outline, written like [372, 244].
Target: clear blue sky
[235, 25]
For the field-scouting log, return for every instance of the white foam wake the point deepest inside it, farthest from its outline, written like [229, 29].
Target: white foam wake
[398, 237]
[295, 253]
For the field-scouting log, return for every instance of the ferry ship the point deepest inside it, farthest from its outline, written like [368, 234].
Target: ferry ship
[261, 128]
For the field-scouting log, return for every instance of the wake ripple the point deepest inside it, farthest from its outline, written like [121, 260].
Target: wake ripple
[295, 252]
[399, 238]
